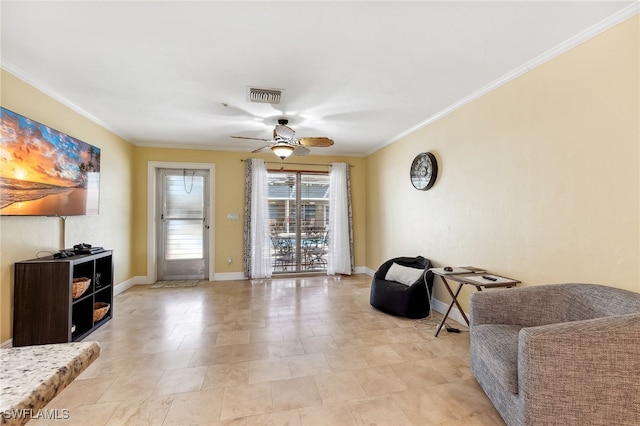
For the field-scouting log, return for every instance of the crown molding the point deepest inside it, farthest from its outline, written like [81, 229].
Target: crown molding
[17, 72]
[591, 32]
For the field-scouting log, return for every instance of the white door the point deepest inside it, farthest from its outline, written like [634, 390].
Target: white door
[182, 225]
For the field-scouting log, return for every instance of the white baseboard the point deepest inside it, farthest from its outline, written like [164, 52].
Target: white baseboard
[235, 276]
[440, 306]
[368, 271]
[126, 285]
[7, 344]
[229, 276]
[220, 276]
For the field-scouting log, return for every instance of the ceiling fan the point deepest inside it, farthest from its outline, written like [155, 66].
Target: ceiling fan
[285, 143]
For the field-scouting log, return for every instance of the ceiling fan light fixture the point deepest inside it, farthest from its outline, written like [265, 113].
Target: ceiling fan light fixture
[282, 150]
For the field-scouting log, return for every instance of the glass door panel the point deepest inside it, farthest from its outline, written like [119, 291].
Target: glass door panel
[298, 206]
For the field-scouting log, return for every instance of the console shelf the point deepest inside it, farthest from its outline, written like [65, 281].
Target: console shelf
[44, 310]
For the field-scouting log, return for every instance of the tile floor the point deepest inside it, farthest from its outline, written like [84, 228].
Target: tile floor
[286, 351]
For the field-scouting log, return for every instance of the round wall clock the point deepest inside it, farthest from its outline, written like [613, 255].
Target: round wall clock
[424, 171]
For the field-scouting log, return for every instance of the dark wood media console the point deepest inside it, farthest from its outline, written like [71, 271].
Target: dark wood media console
[44, 310]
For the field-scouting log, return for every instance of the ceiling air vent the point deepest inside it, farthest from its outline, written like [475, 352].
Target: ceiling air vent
[268, 96]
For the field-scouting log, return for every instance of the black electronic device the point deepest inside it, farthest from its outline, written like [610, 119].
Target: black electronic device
[63, 254]
[84, 248]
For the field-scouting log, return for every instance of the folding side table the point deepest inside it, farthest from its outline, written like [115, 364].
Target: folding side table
[466, 277]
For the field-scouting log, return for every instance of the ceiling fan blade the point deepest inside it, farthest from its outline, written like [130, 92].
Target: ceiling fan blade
[319, 142]
[253, 139]
[260, 149]
[284, 131]
[301, 151]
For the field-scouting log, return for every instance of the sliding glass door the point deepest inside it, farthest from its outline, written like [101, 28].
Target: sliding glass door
[298, 218]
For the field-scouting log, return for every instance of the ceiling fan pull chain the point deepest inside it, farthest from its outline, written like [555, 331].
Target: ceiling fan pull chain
[184, 180]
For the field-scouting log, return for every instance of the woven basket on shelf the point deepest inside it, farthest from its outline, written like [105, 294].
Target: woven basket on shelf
[100, 309]
[79, 286]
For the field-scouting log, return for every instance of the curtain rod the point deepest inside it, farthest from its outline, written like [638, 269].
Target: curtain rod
[298, 164]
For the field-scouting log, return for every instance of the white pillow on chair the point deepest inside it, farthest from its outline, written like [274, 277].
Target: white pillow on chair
[403, 274]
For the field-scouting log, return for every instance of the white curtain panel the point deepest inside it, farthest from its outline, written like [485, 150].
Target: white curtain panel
[339, 255]
[260, 257]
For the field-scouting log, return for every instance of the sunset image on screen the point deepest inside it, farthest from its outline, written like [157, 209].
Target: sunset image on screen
[44, 171]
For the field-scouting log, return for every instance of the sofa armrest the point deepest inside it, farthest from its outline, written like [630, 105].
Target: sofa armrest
[527, 306]
[581, 372]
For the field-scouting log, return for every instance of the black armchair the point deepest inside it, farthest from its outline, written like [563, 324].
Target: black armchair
[411, 301]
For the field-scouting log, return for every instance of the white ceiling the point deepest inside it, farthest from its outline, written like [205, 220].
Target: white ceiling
[363, 73]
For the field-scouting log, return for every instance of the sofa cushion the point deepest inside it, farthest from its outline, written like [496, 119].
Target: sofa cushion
[497, 346]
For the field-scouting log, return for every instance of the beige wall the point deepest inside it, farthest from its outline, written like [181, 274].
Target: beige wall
[229, 198]
[539, 179]
[24, 237]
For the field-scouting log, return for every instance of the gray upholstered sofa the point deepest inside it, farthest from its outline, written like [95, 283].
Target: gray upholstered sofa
[563, 354]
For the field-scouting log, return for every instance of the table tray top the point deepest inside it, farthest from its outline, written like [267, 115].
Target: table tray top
[480, 279]
[466, 276]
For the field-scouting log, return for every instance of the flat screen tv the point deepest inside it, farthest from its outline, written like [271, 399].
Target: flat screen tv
[44, 172]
